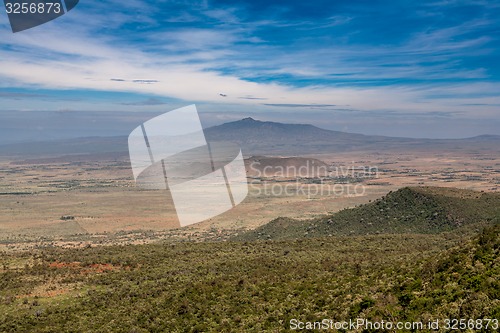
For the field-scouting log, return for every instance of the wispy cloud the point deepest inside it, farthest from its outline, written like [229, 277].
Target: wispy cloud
[301, 105]
[147, 102]
[252, 98]
[287, 56]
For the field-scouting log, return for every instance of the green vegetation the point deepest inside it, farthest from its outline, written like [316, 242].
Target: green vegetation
[462, 284]
[260, 286]
[408, 210]
[250, 287]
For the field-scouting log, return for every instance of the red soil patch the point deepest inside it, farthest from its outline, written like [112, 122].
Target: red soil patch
[47, 294]
[94, 268]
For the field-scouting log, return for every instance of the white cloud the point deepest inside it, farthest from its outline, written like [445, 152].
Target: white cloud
[190, 63]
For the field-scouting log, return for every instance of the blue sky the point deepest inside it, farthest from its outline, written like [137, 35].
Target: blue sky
[426, 69]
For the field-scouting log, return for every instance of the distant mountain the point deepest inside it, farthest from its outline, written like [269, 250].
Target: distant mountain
[31, 126]
[266, 138]
[486, 137]
[408, 210]
[90, 145]
[271, 138]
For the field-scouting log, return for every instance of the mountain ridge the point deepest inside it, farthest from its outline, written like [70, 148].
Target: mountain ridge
[263, 138]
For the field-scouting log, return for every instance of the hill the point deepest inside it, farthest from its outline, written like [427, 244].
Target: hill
[265, 138]
[408, 210]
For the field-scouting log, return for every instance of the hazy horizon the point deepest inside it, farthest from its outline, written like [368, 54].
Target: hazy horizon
[30, 126]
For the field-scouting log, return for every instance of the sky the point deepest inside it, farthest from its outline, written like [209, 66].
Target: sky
[396, 68]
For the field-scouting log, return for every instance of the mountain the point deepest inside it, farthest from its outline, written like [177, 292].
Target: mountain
[266, 138]
[272, 138]
[409, 210]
